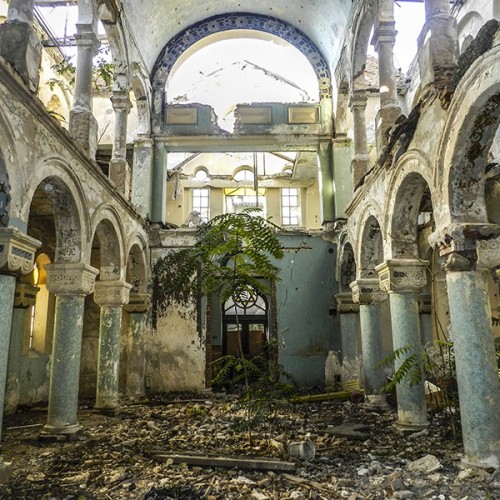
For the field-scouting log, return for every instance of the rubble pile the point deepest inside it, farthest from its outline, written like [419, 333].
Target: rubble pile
[195, 447]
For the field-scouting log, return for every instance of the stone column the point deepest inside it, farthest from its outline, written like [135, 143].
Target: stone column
[383, 39]
[467, 267]
[159, 184]
[24, 301]
[361, 159]
[425, 311]
[326, 183]
[142, 175]
[82, 123]
[19, 43]
[351, 350]
[367, 294]
[70, 283]
[402, 279]
[17, 256]
[110, 296]
[438, 45]
[137, 309]
[119, 169]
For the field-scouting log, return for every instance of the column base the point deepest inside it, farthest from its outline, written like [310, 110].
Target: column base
[109, 411]
[406, 429]
[491, 462]
[65, 433]
[5, 471]
[376, 402]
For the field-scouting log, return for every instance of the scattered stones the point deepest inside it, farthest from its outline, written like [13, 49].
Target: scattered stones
[117, 459]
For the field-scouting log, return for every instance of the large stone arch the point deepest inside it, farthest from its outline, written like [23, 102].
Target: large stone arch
[473, 120]
[235, 21]
[54, 182]
[404, 200]
[361, 40]
[346, 267]
[137, 265]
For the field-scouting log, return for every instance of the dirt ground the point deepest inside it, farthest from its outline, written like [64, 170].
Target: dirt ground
[129, 457]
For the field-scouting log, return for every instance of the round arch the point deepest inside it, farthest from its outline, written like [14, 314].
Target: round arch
[227, 22]
[346, 267]
[473, 120]
[137, 265]
[370, 246]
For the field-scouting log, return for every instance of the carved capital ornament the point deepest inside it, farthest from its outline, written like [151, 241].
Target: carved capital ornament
[71, 278]
[402, 275]
[345, 303]
[111, 293]
[17, 251]
[367, 291]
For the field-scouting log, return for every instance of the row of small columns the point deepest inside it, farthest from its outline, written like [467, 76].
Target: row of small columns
[437, 59]
[70, 283]
[477, 379]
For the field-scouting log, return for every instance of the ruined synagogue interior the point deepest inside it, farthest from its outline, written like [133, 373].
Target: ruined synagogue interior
[355, 143]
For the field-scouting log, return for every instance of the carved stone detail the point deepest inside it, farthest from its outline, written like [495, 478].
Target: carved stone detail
[25, 295]
[366, 291]
[138, 303]
[111, 293]
[345, 303]
[402, 275]
[17, 251]
[71, 278]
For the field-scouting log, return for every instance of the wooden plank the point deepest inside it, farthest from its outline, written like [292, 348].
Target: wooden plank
[240, 462]
[311, 398]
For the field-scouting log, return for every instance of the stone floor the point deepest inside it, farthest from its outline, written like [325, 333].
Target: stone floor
[129, 457]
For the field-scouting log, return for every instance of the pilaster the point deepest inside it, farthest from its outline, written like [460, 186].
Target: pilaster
[403, 279]
[25, 298]
[137, 308]
[142, 176]
[70, 282]
[351, 350]
[110, 296]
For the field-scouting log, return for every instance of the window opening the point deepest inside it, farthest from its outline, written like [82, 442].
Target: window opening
[238, 199]
[201, 203]
[290, 207]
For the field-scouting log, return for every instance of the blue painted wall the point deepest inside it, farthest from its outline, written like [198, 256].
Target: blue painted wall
[306, 330]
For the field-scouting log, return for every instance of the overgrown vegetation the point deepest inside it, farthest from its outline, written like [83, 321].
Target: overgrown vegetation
[231, 259]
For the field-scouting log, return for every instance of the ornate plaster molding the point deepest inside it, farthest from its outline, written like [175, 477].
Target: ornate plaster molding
[71, 278]
[138, 303]
[367, 291]
[402, 275]
[111, 293]
[345, 303]
[25, 295]
[17, 251]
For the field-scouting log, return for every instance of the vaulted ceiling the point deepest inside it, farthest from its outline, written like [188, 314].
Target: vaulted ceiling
[154, 22]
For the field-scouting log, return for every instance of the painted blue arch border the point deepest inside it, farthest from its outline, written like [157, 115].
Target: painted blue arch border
[234, 21]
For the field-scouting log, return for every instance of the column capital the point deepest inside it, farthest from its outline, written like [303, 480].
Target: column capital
[367, 291]
[25, 295]
[143, 142]
[85, 36]
[138, 303]
[467, 247]
[17, 251]
[121, 101]
[384, 33]
[70, 278]
[111, 293]
[345, 303]
[358, 99]
[402, 275]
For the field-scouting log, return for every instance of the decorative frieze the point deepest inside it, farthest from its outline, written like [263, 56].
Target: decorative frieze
[402, 275]
[71, 278]
[138, 303]
[367, 291]
[25, 295]
[345, 303]
[17, 251]
[111, 293]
